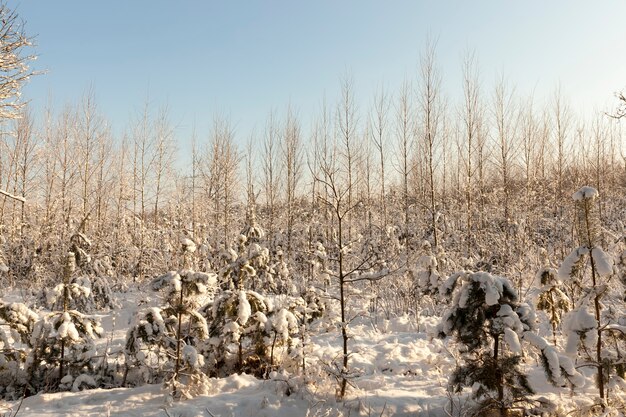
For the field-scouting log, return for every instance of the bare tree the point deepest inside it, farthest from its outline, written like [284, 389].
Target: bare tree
[65, 152]
[123, 193]
[195, 161]
[529, 145]
[49, 168]
[562, 123]
[471, 119]
[431, 112]
[378, 130]
[20, 145]
[26, 146]
[271, 174]
[220, 173]
[506, 123]
[14, 63]
[352, 266]
[364, 172]
[292, 157]
[405, 130]
[89, 130]
[347, 125]
[325, 155]
[14, 66]
[599, 159]
[164, 150]
[142, 165]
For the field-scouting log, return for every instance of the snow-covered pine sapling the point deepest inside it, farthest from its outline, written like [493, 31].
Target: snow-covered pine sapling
[184, 323]
[585, 329]
[4, 269]
[427, 276]
[148, 342]
[188, 248]
[64, 338]
[283, 328]
[552, 299]
[281, 278]
[16, 325]
[88, 288]
[19, 319]
[319, 263]
[75, 294]
[427, 279]
[486, 318]
[236, 333]
[310, 309]
[246, 267]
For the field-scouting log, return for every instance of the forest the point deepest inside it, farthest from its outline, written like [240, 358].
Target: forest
[423, 255]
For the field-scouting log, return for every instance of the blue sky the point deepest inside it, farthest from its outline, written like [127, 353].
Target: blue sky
[243, 59]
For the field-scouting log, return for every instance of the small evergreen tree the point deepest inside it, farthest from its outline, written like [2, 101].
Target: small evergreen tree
[89, 287]
[552, 299]
[62, 340]
[427, 275]
[169, 337]
[16, 325]
[236, 333]
[489, 322]
[485, 317]
[586, 325]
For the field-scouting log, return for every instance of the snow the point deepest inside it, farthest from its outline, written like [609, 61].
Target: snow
[188, 245]
[397, 366]
[82, 381]
[284, 323]
[397, 369]
[585, 192]
[192, 357]
[67, 330]
[579, 326]
[245, 310]
[15, 197]
[602, 262]
[567, 268]
[511, 339]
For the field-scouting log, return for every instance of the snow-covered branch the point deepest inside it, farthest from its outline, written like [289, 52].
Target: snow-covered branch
[15, 197]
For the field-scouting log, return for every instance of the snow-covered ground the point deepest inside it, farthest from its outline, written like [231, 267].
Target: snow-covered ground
[400, 370]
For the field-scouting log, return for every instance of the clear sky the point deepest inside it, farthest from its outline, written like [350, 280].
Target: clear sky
[245, 58]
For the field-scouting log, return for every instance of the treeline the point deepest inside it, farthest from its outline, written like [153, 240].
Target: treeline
[483, 176]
